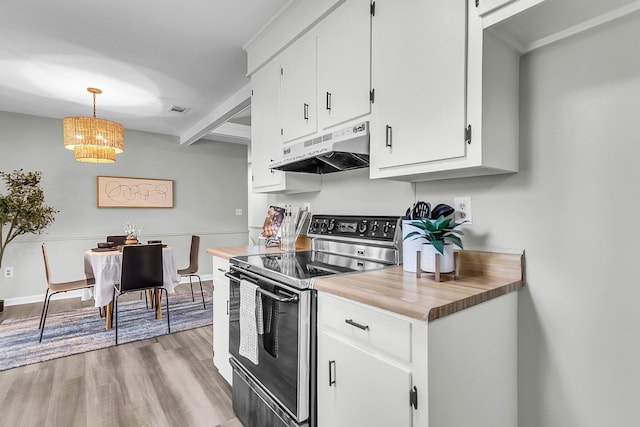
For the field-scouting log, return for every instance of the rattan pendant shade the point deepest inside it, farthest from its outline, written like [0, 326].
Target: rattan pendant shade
[93, 140]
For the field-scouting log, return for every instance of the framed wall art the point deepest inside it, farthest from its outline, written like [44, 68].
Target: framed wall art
[125, 192]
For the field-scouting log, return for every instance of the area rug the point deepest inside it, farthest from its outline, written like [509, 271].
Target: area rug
[82, 330]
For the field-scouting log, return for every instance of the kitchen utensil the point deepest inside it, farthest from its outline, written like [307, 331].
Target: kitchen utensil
[441, 210]
[421, 210]
[407, 214]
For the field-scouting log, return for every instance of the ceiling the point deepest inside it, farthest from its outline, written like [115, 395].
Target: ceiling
[145, 55]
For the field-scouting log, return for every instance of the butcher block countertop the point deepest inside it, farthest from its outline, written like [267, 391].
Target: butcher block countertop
[483, 276]
[302, 244]
[228, 253]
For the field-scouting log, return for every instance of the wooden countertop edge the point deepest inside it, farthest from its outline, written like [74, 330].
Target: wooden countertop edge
[417, 311]
[455, 306]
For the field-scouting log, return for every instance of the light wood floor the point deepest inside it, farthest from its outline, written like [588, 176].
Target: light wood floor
[165, 381]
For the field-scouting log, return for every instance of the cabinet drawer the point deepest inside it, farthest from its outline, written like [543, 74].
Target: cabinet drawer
[366, 325]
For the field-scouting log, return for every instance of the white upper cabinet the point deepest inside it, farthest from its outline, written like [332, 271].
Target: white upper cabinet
[344, 63]
[418, 74]
[298, 88]
[444, 77]
[266, 140]
[265, 127]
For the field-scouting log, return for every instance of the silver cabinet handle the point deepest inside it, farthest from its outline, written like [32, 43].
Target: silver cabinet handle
[222, 270]
[328, 100]
[332, 372]
[389, 136]
[357, 325]
[227, 307]
[306, 111]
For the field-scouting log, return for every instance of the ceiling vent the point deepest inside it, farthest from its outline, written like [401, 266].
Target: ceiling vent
[178, 109]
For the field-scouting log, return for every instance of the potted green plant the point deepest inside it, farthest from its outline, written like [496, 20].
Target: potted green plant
[440, 236]
[22, 210]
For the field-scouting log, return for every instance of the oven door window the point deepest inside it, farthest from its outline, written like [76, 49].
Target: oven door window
[279, 347]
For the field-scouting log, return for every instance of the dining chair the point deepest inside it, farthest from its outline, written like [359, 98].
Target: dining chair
[192, 270]
[56, 288]
[118, 240]
[141, 271]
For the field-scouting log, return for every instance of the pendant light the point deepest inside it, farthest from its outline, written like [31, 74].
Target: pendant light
[93, 140]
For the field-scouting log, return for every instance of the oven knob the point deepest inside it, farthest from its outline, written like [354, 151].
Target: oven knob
[332, 225]
[375, 227]
[386, 227]
[315, 224]
[362, 227]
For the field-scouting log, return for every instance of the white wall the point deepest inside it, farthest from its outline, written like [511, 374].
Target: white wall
[572, 209]
[352, 192]
[210, 182]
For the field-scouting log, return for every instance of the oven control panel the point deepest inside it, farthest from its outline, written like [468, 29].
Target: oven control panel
[356, 227]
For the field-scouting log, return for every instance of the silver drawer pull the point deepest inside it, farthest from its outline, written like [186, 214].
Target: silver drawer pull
[222, 270]
[357, 325]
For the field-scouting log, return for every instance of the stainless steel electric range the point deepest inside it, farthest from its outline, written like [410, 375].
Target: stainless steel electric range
[274, 360]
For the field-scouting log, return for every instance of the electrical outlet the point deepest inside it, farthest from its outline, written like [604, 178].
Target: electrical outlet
[238, 211]
[462, 205]
[8, 272]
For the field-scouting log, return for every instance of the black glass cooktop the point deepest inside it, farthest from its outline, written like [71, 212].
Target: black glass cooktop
[301, 267]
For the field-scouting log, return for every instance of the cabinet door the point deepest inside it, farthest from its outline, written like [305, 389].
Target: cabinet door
[344, 63]
[221, 318]
[298, 88]
[418, 74]
[357, 388]
[265, 127]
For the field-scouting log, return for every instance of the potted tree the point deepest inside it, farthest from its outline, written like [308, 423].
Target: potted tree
[22, 210]
[440, 236]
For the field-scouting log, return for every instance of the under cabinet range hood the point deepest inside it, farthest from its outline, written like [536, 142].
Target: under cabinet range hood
[340, 150]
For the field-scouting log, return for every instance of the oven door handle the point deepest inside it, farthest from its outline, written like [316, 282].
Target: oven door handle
[293, 298]
[276, 297]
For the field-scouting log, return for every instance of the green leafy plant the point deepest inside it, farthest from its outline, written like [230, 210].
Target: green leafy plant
[22, 210]
[437, 232]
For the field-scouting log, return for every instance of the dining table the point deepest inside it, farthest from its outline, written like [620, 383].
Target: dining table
[104, 266]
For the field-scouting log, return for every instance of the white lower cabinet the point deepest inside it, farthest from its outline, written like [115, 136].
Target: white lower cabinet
[221, 318]
[364, 370]
[360, 388]
[379, 368]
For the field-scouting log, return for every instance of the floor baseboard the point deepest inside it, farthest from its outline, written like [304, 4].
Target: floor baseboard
[74, 294]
